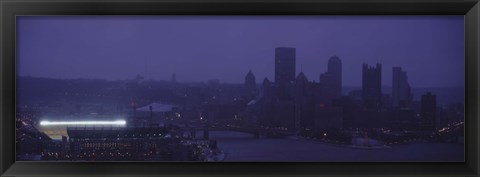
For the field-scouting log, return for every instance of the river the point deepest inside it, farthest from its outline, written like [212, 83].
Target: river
[243, 147]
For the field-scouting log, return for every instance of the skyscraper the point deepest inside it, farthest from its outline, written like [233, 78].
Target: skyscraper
[284, 65]
[429, 109]
[284, 72]
[372, 85]
[250, 84]
[301, 84]
[401, 92]
[304, 101]
[266, 88]
[331, 81]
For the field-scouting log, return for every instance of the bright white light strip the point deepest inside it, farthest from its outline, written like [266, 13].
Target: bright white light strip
[117, 122]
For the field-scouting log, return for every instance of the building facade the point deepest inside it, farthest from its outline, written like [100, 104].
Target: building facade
[401, 91]
[429, 109]
[284, 65]
[331, 81]
[372, 86]
[250, 85]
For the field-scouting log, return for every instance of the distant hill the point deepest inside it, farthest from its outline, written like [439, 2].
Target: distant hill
[445, 95]
[29, 88]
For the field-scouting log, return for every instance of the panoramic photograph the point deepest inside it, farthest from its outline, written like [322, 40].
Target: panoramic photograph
[240, 88]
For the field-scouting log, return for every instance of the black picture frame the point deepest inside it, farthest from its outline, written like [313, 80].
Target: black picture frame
[12, 8]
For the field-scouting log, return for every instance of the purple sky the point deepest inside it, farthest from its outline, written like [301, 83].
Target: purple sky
[198, 48]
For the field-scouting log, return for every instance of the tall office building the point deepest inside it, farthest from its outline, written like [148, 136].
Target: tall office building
[284, 72]
[302, 81]
[331, 81]
[266, 90]
[303, 102]
[372, 85]
[429, 109]
[335, 67]
[284, 65]
[401, 92]
[250, 84]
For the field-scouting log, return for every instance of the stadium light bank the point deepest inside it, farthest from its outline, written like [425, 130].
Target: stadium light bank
[51, 123]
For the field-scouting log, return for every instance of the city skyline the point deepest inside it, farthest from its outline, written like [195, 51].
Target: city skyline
[235, 60]
[137, 120]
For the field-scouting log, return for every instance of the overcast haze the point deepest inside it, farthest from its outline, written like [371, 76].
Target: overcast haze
[198, 48]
